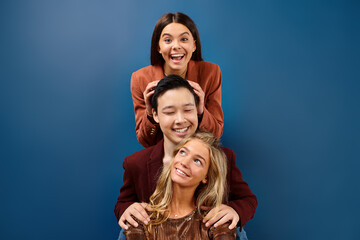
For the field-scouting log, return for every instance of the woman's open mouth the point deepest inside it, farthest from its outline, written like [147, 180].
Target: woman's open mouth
[177, 57]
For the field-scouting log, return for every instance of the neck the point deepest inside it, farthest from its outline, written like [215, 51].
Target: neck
[168, 150]
[181, 72]
[182, 202]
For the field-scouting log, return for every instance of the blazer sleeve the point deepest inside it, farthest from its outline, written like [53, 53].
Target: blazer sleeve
[147, 131]
[241, 199]
[127, 192]
[212, 119]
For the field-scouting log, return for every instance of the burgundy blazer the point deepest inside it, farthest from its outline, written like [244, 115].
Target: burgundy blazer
[142, 170]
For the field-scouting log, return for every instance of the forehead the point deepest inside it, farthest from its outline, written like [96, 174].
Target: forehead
[177, 96]
[198, 147]
[175, 28]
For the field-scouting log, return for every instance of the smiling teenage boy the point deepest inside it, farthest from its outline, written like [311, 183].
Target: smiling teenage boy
[175, 109]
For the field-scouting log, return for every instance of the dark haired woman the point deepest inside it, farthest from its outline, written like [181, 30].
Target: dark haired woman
[176, 49]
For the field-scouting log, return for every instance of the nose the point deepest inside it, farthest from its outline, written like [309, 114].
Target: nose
[176, 44]
[185, 162]
[180, 117]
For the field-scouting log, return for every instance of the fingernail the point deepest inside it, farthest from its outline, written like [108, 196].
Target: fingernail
[207, 225]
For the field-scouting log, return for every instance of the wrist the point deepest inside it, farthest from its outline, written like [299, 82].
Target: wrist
[151, 119]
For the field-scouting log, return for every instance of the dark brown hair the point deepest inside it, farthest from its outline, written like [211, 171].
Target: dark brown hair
[168, 83]
[155, 56]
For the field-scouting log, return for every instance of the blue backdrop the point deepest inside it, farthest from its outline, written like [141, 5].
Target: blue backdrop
[290, 99]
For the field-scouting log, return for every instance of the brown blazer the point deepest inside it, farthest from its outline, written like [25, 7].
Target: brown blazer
[207, 75]
[141, 174]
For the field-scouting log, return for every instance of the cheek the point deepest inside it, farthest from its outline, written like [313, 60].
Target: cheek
[163, 48]
[191, 48]
[193, 118]
[204, 172]
[172, 172]
[162, 117]
[201, 174]
[166, 120]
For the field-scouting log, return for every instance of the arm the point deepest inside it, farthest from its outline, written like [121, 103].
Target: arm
[147, 131]
[212, 119]
[127, 206]
[128, 194]
[241, 199]
[242, 202]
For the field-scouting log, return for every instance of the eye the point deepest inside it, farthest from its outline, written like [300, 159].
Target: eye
[169, 113]
[182, 152]
[184, 39]
[167, 40]
[198, 162]
[188, 109]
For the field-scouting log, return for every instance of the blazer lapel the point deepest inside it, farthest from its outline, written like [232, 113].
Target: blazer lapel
[154, 165]
[192, 72]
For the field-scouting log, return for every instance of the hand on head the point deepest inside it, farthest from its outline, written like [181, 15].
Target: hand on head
[200, 93]
[149, 91]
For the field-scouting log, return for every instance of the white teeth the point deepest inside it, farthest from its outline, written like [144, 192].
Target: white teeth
[181, 172]
[181, 130]
[177, 55]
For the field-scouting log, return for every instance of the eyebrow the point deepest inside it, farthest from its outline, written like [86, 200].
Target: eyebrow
[166, 107]
[196, 155]
[189, 104]
[185, 105]
[168, 34]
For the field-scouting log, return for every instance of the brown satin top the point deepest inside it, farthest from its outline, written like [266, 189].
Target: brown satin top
[189, 227]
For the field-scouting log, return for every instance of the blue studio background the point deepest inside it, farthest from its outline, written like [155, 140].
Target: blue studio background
[290, 99]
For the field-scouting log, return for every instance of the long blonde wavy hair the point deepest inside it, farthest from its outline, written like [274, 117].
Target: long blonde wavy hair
[211, 194]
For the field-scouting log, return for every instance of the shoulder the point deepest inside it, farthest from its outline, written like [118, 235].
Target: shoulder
[148, 71]
[203, 65]
[140, 157]
[230, 154]
[137, 233]
[222, 232]
[151, 154]
[145, 70]
[207, 74]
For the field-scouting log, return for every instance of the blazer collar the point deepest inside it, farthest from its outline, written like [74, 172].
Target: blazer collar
[158, 71]
[192, 73]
